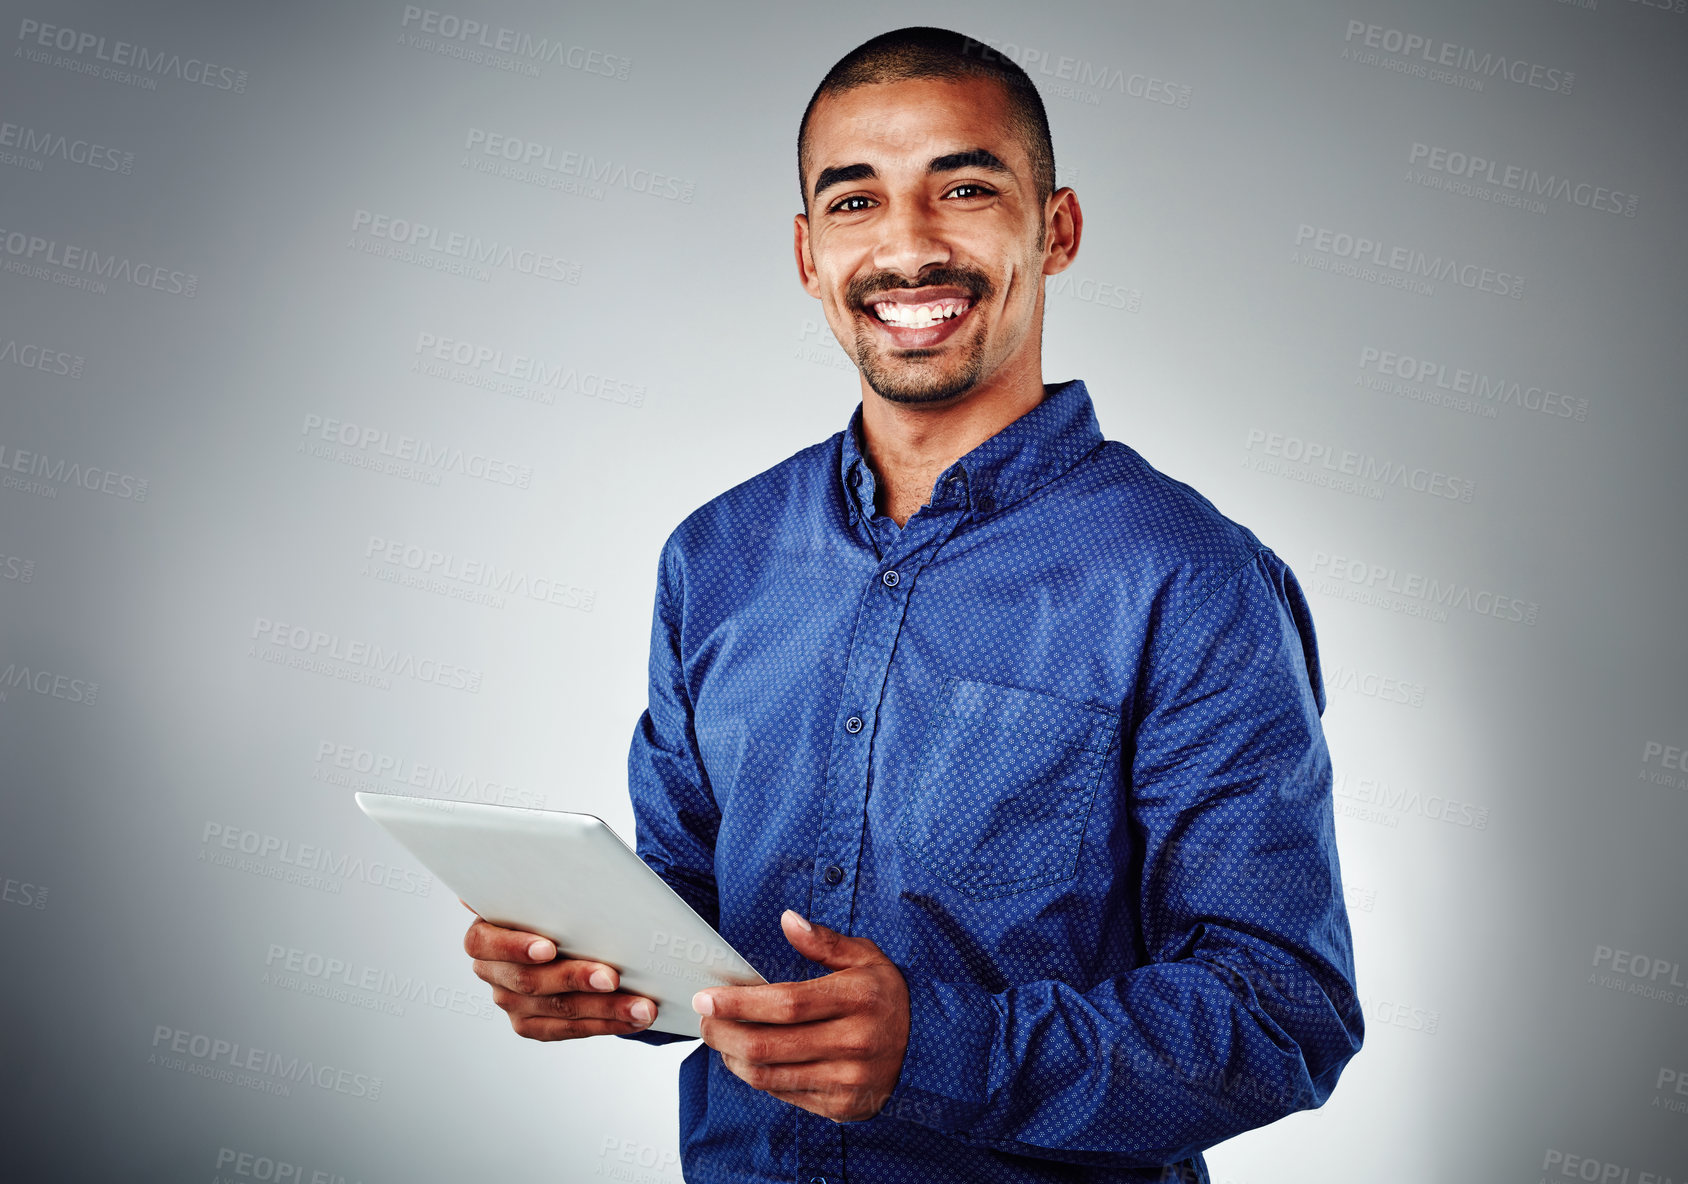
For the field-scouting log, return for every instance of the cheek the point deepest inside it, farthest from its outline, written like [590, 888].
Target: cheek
[1028, 282]
[1014, 297]
[833, 301]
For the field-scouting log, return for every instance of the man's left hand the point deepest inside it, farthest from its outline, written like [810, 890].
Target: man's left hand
[832, 1045]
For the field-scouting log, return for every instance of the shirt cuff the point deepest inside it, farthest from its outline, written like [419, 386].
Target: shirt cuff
[946, 1073]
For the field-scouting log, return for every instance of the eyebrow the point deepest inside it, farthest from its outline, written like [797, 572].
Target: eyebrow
[970, 158]
[842, 174]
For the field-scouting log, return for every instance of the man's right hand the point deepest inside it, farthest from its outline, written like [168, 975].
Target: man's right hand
[552, 998]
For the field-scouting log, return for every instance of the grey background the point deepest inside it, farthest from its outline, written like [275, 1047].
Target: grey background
[1515, 1034]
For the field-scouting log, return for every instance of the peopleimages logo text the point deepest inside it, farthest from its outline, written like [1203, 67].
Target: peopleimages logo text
[40, 251]
[58, 471]
[46, 683]
[341, 980]
[1408, 261]
[465, 32]
[470, 248]
[226, 1060]
[52, 145]
[504, 580]
[80, 44]
[523, 371]
[614, 174]
[1433, 51]
[323, 646]
[428, 455]
[38, 357]
[1463, 381]
[1471, 166]
[1379, 578]
[355, 767]
[1064, 68]
[308, 861]
[1361, 466]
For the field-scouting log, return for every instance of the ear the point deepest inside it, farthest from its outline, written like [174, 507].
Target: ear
[806, 274]
[1066, 227]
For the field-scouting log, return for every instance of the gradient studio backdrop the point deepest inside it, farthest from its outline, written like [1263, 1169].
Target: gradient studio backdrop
[250, 256]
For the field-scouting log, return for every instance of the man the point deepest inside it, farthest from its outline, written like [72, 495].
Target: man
[997, 751]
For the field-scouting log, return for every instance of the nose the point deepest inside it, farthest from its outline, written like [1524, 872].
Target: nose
[909, 242]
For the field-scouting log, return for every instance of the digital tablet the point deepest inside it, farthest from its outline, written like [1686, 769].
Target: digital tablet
[570, 878]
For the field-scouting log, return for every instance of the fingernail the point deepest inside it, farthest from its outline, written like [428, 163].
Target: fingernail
[541, 950]
[643, 1012]
[802, 921]
[703, 1003]
[601, 981]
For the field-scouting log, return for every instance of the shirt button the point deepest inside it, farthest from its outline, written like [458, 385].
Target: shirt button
[890, 579]
[853, 724]
[833, 873]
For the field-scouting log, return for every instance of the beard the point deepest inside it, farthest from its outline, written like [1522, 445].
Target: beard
[915, 376]
[920, 375]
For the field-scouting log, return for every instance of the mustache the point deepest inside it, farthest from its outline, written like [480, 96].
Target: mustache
[975, 283]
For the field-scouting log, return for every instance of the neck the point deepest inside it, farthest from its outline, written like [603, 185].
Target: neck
[910, 445]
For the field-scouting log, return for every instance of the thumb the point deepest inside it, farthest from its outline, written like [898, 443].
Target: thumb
[832, 949]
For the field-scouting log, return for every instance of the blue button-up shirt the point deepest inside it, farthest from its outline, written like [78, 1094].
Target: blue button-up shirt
[1054, 745]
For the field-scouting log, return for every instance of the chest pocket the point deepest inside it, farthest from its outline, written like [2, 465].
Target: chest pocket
[1004, 788]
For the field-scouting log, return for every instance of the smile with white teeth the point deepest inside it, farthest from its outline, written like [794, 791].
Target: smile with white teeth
[919, 316]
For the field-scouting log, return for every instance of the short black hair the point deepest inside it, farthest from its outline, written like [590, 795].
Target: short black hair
[921, 51]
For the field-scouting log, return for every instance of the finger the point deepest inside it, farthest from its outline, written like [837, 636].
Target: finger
[540, 1028]
[832, 949]
[635, 1010]
[776, 1044]
[776, 1003]
[807, 1077]
[551, 978]
[836, 1105]
[498, 944]
[803, 1101]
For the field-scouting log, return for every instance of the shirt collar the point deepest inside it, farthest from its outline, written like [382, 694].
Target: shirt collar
[1020, 459]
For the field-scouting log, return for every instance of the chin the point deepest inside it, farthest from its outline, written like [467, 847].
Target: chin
[916, 377]
[916, 389]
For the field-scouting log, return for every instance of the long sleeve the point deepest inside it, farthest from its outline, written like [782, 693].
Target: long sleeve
[1243, 1009]
[675, 814]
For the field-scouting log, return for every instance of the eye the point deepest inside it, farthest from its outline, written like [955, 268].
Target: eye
[842, 205]
[980, 190]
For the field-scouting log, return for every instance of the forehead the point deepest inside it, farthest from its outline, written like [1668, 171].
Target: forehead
[910, 121]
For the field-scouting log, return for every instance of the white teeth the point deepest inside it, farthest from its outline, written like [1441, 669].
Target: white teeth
[918, 316]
